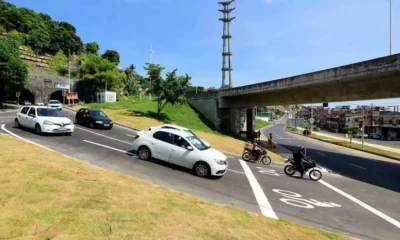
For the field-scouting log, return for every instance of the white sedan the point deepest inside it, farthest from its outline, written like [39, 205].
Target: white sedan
[176, 127]
[44, 120]
[180, 148]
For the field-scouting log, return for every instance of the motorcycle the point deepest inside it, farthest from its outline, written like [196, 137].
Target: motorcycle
[291, 169]
[259, 155]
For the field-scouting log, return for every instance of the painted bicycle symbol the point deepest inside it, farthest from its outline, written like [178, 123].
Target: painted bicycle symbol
[267, 171]
[296, 200]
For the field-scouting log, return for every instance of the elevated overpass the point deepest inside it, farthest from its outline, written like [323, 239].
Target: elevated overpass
[373, 79]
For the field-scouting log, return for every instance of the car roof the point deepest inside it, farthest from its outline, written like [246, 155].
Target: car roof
[174, 126]
[173, 131]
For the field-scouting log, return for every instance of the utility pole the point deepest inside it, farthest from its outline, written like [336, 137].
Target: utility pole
[390, 29]
[69, 78]
[151, 61]
[372, 118]
[362, 130]
[226, 38]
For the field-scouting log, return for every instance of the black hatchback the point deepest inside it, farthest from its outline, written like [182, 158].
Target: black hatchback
[93, 118]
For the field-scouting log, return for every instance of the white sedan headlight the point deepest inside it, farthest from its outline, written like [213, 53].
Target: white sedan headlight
[99, 122]
[47, 122]
[220, 162]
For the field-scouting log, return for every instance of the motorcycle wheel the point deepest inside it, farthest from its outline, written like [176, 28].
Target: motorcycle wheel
[266, 160]
[246, 156]
[315, 175]
[289, 170]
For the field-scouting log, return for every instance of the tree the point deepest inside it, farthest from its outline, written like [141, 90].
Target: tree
[92, 48]
[351, 130]
[99, 72]
[58, 63]
[16, 38]
[39, 38]
[13, 71]
[133, 81]
[172, 90]
[112, 56]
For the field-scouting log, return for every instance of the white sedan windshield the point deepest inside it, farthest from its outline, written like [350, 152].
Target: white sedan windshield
[197, 143]
[48, 112]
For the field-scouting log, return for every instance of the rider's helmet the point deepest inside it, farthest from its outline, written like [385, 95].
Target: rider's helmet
[301, 148]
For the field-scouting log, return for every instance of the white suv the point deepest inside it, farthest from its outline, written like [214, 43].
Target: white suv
[44, 120]
[180, 148]
[55, 104]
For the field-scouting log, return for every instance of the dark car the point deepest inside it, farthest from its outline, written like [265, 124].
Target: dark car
[93, 118]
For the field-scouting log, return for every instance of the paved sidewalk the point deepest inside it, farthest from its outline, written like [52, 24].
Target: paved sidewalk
[355, 141]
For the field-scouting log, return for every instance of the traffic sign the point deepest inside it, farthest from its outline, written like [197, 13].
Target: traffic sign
[312, 120]
[18, 94]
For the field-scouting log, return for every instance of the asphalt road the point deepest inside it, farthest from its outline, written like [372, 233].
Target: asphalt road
[393, 144]
[259, 189]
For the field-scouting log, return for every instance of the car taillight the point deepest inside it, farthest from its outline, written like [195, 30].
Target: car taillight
[137, 136]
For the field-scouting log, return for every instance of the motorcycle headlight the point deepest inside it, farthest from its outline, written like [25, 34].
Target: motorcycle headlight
[219, 162]
[47, 122]
[99, 122]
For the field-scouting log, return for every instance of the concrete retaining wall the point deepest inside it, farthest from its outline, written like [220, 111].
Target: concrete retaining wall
[207, 107]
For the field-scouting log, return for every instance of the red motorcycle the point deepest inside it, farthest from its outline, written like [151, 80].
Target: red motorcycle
[255, 153]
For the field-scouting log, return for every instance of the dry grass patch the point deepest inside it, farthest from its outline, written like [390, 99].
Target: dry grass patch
[46, 195]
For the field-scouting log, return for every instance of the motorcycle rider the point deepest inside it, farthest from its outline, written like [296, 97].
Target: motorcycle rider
[256, 147]
[299, 157]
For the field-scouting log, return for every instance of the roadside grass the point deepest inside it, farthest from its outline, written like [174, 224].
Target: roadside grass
[262, 124]
[356, 146]
[45, 195]
[142, 115]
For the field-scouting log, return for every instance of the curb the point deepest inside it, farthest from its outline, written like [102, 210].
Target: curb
[356, 149]
[116, 123]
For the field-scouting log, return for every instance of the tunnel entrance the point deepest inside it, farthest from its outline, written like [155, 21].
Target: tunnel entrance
[58, 95]
[26, 95]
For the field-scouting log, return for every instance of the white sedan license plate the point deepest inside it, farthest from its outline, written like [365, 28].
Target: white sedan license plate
[106, 125]
[62, 129]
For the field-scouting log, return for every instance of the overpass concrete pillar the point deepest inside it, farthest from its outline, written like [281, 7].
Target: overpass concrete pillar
[250, 122]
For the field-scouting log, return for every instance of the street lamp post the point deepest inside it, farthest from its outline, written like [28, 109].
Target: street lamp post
[151, 61]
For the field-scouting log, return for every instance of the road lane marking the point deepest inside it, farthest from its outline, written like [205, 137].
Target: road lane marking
[24, 139]
[262, 200]
[130, 135]
[321, 154]
[296, 200]
[357, 166]
[236, 171]
[362, 204]
[105, 146]
[103, 135]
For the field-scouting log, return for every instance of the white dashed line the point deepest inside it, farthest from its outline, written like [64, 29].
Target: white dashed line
[362, 204]
[262, 200]
[357, 166]
[102, 135]
[236, 171]
[26, 140]
[130, 135]
[105, 146]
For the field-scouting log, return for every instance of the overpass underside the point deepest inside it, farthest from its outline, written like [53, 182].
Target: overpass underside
[378, 86]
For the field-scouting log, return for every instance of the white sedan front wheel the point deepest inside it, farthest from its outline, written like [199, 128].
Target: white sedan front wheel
[202, 169]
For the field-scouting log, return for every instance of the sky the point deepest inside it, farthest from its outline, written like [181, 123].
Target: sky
[272, 39]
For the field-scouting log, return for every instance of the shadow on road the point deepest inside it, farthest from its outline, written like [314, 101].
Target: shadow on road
[169, 165]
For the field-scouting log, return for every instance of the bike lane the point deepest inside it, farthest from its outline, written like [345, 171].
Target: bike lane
[311, 203]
